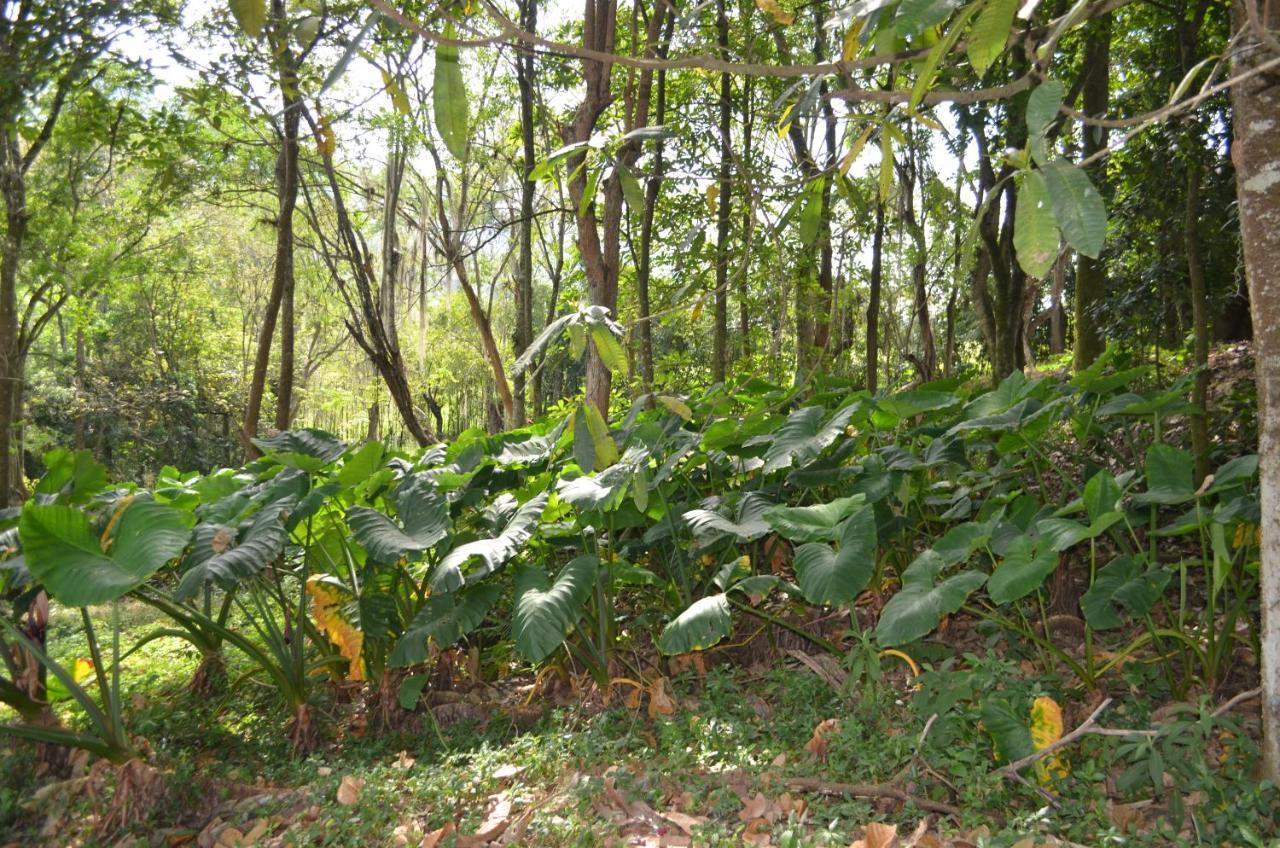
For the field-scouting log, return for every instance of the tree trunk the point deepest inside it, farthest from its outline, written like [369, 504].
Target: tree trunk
[1091, 275]
[720, 358]
[81, 425]
[1255, 152]
[524, 271]
[748, 219]
[928, 360]
[873, 302]
[1057, 317]
[1200, 320]
[12, 358]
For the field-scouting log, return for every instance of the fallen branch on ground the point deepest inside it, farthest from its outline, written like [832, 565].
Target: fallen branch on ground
[869, 790]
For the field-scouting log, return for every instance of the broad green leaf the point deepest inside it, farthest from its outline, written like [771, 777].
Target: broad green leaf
[79, 568]
[604, 450]
[1101, 495]
[804, 435]
[675, 406]
[1238, 471]
[545, 612]
[1021, 571]
[959, 543]
[836, 577]
[748, 525]
[702, 625]
[922, 601]
[990, 33]
[444, 619]
[71, 477]
[1081, 214]
[818, 523]
[423, 512]
[1007, 729]
[411, 690]
[631, 189]
[494, 552]
[1035, 229]
[1042, 110]
[929, 68]
[306, 449]
[609, 349]
[362, 464]
[1125, 583]
[915, 16]
[227, 556]
[810, 212]
[449, 98]
[1063, 533]
[251, 15]
[1169, 474]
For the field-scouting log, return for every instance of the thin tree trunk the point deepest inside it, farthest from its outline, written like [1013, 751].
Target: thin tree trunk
[748, 219]
[12, 357]
[524, 273]
[1200, 320]
[1091, 275]
[873, 301]
[720, 358]
[1255, 153]
[1057, 317]
[81, 425]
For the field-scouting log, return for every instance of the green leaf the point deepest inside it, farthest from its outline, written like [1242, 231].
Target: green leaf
[1081, 214]
[65, 555]
[445, 619]
[362, 464]
[222, 554]
[1007, 729]
[424, 513]
[990, 33]
[675, 406]
[494, 552]
[708, 524]
[1169, 474]
[811, 212]
[411, 690]
[929, 69]
[1021, 571]
[886, 163]
[251, 15]
[702, 625]
[71, 477]
[449, 98]
[1122, 583]
[804, 435]
[593, 446]
[307, 449]
[609, 348]
[1035, 229]
[1042, 110]
[922, 601]
[1101, 495]
[631, 189]
[915, 16]
[1063, 533]
[836, 577]
[819, 523]
[577, 340]
[545, 612]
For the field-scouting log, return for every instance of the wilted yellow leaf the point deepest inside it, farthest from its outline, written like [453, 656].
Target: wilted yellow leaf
[326, 142]
[660, 700]
[713, 192]
[349, 790]
[325, 602]
[775, 11]
[1046, 728]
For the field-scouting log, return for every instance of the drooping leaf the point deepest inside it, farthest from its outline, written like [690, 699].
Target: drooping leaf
[545, 612]
[424, 513]
[1124, 583]
[327, 601]
[494, 552]
[1042, 110]
[920, 604]
[818, 523]
[1035, 229]
[804, 435]
[836, 577]
[593, 446]
[1169, 474]
[609, 349]
[929, 68]
[70, 477]
[226, 555]
[251, 15]
[449, 98]
[444, 619]
[1078, 207]
[78, 567]
[1046, 727]
[990, 33]
[1021, 571]
[747, 525]
[702, 625]
[306, 449]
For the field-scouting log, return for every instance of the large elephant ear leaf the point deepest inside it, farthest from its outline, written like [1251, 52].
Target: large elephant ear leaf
[818, 523]
[443, 619]
[702, 625]
[920, 604]
[1021, 571]
[78, 567]
[835, 577]
[1124, 583]
[307, 449]
[225, 556]
[494, 552]
[424, 513]
[545, 612]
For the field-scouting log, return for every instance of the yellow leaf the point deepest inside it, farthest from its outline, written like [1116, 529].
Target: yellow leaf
[82, 670]
[327, 142]
[325, 609]
[349, 790]
[697, 310]
[713, 192]
[849, 49]
[775, 11]
[1046, 728]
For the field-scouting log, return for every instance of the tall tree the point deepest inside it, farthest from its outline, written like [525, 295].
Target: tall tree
[1091, 273]
[720, 358]
[524, 269]
[1255, 152]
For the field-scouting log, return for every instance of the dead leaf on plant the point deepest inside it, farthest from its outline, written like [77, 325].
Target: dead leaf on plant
[494, 824]
[432, 839]
[403, 761]
[349, 790]
[877, 835]
[660, 700]
[817, 746]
